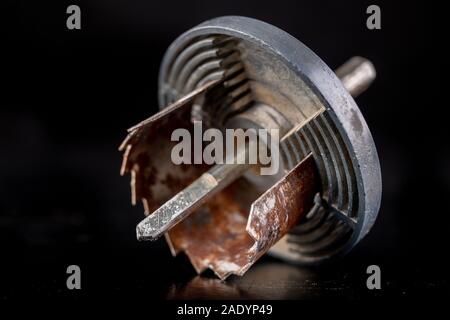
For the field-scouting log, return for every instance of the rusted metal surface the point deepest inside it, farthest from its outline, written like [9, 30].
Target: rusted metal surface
[282, 206]
[147, 151]
[214, 237]
[228, 237]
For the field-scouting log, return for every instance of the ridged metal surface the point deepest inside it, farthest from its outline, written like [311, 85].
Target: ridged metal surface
[203, 60]
[327, 227]
[332, 159]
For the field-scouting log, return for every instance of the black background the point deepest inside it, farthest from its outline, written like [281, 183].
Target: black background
[67, 98]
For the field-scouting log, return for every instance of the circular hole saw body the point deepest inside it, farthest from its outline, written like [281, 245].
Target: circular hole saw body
[286, 75]
[328, 186]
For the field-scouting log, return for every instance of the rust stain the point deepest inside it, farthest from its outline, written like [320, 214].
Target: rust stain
[282, 206]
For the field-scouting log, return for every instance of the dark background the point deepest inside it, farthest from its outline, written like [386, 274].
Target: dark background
[67, 97]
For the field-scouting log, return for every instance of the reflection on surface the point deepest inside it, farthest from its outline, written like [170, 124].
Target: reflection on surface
[267, 280]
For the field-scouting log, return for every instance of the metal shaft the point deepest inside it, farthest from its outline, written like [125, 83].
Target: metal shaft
[191, 198]
[357, 74]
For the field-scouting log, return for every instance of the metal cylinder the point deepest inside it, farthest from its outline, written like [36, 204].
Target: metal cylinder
[357, 74]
